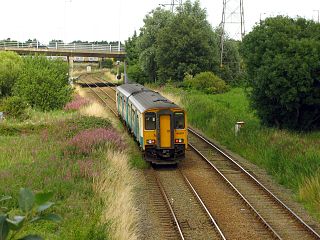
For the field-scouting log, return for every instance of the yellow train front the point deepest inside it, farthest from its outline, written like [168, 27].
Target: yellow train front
[157, 124]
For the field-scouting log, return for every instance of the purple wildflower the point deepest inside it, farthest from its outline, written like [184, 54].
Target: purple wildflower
[84, 141]
[76, 103]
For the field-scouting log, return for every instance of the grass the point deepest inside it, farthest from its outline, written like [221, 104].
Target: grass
[92, 185]
[292, 158]
[38, 160]
[120, 213]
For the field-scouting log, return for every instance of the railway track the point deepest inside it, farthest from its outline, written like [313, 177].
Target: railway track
[277, 217]
[262, 215]
[192, 218]
[106, 96]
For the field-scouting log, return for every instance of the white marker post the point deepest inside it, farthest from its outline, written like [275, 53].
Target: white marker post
[237, 127]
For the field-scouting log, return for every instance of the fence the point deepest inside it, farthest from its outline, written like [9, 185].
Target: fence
[65, 46]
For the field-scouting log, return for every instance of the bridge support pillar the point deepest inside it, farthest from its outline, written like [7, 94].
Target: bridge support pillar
[70, 64]
[125, 72]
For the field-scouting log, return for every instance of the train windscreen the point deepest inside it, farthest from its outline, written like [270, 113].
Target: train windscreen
[179, 120]
[150, 121]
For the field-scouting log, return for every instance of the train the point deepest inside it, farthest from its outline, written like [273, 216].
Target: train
[157, 124]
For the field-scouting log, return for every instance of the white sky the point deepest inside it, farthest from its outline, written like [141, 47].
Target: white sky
[112, 20]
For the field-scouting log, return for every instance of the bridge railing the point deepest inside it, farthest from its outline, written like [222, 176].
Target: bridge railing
[65, 46]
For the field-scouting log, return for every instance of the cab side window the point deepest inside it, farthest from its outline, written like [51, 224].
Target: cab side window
[150, 121]
[179, 120]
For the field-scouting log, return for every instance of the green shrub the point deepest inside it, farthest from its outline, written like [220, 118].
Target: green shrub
[14, 107]
[43, 83]
[283, 62]
[107, 63]
[10, 67]
[135, 74]
[206, 82]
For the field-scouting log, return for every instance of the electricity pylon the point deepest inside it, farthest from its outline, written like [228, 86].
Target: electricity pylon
[172, 4]
[232, 24]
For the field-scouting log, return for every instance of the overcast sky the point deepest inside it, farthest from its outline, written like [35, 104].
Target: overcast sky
[112, 20]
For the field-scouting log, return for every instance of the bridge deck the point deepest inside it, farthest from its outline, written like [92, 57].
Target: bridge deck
[66, 52]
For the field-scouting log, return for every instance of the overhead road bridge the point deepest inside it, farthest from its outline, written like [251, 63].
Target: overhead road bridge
[68, 50]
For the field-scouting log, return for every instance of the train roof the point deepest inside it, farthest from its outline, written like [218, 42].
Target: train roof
[144, 98]
[130, 88]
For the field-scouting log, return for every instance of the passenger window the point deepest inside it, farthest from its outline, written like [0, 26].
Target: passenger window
[150, 121]
[179, 120]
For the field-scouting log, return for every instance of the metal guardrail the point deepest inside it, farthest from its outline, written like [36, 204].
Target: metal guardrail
[65, 46]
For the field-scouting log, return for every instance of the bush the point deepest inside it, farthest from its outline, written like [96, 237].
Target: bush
[283, 63]
[206, 82]
[43, 83]
[10, 67]
[107, 63]
[135, 74]
[14, 107]
[33, 208]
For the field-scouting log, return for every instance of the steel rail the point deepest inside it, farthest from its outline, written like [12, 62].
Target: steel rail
[304, 224]
[203, 206]
[102, 90]
[105, 82]
[263, 221]
[115, 113]
[169, 205]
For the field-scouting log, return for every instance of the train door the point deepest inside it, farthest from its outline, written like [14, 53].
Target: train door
[165, 131]
[137, 127]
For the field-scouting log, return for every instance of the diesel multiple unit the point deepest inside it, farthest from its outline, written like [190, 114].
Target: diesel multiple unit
[158, 125]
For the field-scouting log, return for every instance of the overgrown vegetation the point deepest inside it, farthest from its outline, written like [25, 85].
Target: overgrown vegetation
[206, 82]
[283, 62]
[293, 159]
[39, 159]
[43, 83]
[10, 68]
[76, 157]
[35, 82]
[14, 107]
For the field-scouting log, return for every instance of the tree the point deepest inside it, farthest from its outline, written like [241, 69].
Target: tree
[10, 68]
[43, 83]
[135, 74]
[283, 63]
[147, 44]
[132, 51]
[187, 44]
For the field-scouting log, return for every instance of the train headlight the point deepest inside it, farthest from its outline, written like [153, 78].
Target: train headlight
[179, 140]
[151, 141]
